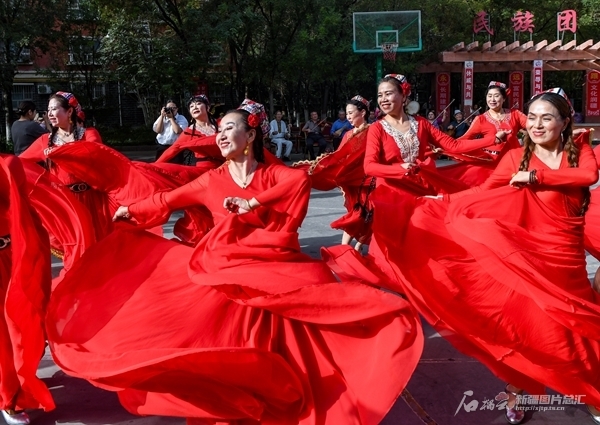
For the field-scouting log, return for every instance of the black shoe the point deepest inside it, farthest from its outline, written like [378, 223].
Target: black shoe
[286, 159]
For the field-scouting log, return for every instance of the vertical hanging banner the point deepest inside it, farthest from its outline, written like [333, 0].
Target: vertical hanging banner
[468, 84]
[442, 90]
[537, 79]
[515, 82]
[592, 106]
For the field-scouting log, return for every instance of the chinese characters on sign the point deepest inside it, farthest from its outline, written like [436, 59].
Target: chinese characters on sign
[523, 22]
[592, 106]
[481, 23]
[566, 21]
[468, 84]
[442, 90]
[515, 81]
[537, 79]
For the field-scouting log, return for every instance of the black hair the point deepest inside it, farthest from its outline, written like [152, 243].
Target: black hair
[211, 118]
[24, 107]
[360, 106]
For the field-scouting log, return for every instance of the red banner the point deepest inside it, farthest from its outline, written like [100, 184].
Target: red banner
[442, 90]
[515, 83]
[592, 106]
[468, 84]
[537, 79]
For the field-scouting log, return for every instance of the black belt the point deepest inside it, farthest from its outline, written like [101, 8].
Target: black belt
[79, 187]
[4, 241]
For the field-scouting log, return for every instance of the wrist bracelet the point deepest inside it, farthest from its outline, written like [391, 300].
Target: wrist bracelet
[532, 177]
[499, 140]
[248, 203]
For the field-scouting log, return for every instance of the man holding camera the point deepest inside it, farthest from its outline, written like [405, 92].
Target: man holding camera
[168, 126]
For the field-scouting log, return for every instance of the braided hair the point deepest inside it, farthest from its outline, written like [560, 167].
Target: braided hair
[569, 147]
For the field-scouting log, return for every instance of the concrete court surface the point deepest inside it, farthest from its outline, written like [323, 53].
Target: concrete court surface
[437, 385]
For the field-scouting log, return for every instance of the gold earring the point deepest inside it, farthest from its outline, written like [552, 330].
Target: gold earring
[246, 149]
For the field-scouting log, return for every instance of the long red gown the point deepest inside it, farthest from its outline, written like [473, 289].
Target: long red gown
[479, 164]
[344, 169]
[243, 327]
[97, 202]
[24, 289]
[501, 273]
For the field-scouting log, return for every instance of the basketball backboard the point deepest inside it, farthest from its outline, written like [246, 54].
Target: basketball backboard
[372, 29]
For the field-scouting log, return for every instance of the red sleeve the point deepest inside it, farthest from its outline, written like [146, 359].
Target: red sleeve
[501, 176]
[157, 209]
[36, 150]
[92, 135]
[450, 144]
[522, 118]
[373, 153]
[290, 192]
[586, 174]
[475, 129]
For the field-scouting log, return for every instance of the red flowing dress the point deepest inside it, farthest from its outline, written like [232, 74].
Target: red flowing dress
[501, 273]
[207, 153]
[243, 327]
[344, 169]
[479, 163]
[96, 201]
[24, 289]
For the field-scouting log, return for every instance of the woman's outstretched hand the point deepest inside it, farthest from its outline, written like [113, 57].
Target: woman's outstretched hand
[122, 212]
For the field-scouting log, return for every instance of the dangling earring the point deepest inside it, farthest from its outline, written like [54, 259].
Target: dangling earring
[562, 138]
[246, 149]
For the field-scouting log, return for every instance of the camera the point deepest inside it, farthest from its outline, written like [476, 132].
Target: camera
[168, 110]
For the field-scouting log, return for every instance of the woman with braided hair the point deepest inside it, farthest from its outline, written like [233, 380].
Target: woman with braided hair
[500, 269]
[63, 113]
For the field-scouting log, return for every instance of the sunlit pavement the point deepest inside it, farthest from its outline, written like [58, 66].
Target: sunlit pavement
[437, 386]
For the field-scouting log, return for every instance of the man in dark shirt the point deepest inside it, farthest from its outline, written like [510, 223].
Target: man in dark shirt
[25, 130]
[459, 127]
[312, 128]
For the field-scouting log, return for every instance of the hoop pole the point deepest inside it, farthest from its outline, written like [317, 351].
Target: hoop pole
[379, 69]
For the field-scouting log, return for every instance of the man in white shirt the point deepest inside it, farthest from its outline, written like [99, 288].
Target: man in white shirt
[168, 126]
[278, 134]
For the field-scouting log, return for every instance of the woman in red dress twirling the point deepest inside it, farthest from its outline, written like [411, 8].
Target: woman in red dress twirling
[62, 113]
[24, 289]
[499, 127]
[242, 329]
[500, 271]
[198, 137]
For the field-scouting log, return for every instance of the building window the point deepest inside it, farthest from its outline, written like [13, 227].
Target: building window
[217, 93]
[20, 93]
[84, 51]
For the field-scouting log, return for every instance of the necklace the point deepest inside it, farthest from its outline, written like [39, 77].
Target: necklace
[243, 183]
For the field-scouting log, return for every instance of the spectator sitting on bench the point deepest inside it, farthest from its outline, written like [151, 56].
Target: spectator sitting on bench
[312, 129]
[279, 135]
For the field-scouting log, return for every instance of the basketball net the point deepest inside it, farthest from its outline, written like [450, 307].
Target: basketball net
[389, 51]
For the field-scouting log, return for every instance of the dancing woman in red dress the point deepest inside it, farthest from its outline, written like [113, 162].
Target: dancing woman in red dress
[63, 108]
[499, 127]
[24, 289]
[197, 137]
[344, 169]
[242, 329]
[500, 270]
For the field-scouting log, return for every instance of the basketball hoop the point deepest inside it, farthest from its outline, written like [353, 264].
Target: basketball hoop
[389, 51]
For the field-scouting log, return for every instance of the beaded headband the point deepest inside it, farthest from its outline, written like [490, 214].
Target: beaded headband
[69, 97]
[362, 100]
[559, 91]
[199, 98]
[406, 90]
[258, 116]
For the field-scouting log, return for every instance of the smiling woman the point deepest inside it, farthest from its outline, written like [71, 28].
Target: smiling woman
[251, 330]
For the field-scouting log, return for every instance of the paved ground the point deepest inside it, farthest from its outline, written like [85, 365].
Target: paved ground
[438, 384]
